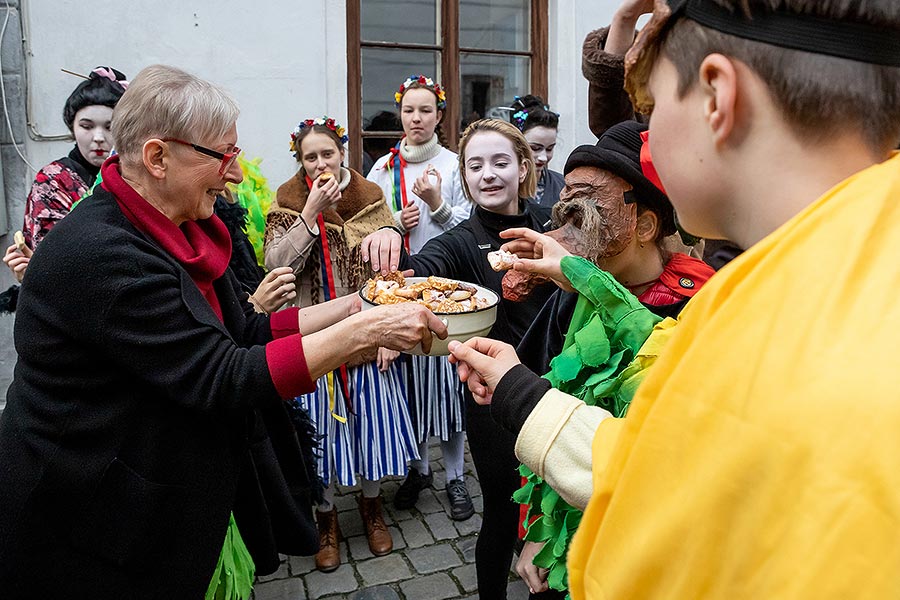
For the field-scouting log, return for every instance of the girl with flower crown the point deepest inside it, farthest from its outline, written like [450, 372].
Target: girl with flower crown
[315, 226]
[420, 179]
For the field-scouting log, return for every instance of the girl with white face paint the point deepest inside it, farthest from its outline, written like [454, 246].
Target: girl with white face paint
[539, 124]
[498, 175]
[88, 115]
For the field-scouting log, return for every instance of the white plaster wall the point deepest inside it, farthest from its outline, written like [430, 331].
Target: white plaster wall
[570, 22]
[282, 60]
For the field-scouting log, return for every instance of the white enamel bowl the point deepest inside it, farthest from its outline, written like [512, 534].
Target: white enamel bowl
[460, 326]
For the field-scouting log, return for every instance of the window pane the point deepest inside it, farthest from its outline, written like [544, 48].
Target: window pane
[490, 82]
[389, 21]
[495, 24]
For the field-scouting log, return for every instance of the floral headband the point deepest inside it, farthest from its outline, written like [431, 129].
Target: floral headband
[326, 121]
[425, 82]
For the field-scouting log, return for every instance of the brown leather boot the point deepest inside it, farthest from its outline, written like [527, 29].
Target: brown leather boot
[328, 558]
[377, 534]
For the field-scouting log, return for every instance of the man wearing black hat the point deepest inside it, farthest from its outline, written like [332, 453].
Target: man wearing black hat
[759, 457]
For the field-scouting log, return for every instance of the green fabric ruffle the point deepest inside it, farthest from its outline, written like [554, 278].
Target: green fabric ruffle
[233, 577]
[602, 363]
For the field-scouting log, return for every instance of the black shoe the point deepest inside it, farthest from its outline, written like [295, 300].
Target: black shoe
[408, 493]
[461, 507]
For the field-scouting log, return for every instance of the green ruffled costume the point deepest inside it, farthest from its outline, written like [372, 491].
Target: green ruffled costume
[607, 351]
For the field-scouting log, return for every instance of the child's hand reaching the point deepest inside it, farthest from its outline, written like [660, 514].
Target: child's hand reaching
[276, 288]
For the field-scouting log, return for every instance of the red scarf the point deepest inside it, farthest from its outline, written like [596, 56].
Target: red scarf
[202, 248]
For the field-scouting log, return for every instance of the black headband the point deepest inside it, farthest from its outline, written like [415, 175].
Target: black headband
[855, 41]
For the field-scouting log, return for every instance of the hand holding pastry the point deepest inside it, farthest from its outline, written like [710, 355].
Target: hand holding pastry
[428, 191]
[18, 256]
[545, 254]
[325, 193]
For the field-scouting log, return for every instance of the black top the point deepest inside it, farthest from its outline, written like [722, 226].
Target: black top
[243, 256]
[78, 163]
[461, 253]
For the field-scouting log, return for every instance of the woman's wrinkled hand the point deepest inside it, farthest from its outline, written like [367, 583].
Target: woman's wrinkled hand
[481, 364]
[17, 260]
[276, 288]
[386, 358]
[402, 326]
[538, 253]
[531, 574]
[428, 191]
[382, 250]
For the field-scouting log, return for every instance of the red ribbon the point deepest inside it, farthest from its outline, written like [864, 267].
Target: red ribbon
[332, 292]
[397, 157]
[647, 166]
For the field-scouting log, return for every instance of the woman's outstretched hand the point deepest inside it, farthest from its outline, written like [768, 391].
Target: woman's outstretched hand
[17, 260]
[538, 253]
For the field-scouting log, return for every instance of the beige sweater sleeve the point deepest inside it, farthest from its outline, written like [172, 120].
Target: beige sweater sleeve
[291, 248]
[556, 441]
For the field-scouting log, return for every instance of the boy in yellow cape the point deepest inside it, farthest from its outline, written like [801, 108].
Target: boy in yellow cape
[760, 457]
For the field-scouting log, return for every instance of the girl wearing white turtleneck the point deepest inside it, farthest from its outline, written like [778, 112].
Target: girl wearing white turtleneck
[421, 183]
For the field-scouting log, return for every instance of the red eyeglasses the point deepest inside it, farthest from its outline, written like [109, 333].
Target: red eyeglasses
[227, 158]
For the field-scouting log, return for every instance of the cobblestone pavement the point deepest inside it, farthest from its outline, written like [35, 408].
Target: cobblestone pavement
[433, 557]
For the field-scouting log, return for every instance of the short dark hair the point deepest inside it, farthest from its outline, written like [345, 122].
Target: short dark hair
[96, 90]
[538, 114]
[818, 95]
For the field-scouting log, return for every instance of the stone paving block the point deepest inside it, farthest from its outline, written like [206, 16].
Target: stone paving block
[469, 526]
[281, 573]
[282, 589]
[431, 559]
[478, 503]
[466, 577]
[384, 569]
[341, 581]
[359, 548]
[345, 503]
[415, 533]
[432, 587]
[466, 546]
[381, 592]
[428, 503]
[517, 590]
[441, 526]
[351, 523]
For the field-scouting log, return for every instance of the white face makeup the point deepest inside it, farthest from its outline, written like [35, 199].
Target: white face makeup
[92, 134]
[493, 172]
[543, 142]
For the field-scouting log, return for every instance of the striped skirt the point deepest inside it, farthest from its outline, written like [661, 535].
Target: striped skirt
[378, 438]
[436, 402]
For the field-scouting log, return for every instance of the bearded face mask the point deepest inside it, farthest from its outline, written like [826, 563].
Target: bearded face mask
[594, 202]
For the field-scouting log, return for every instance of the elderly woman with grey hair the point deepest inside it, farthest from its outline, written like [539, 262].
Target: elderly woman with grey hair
[142, 369]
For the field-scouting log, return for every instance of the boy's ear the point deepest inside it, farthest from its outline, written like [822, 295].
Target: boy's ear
[647, 227]
[718, 83]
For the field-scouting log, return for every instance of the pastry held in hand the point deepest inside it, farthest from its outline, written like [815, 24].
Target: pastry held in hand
[19, 241]
[501, 260]
[517, 285]
[324, 177]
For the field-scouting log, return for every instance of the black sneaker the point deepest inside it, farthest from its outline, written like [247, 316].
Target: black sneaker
[461, 507]
[408, 493]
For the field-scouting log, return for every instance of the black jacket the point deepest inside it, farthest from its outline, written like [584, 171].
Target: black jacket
[128, 420]
[461, 253]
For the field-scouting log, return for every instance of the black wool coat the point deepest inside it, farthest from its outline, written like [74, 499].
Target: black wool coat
[129, 419]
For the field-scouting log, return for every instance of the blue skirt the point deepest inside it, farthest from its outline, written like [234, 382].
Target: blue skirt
[378, 438]
[436, 402]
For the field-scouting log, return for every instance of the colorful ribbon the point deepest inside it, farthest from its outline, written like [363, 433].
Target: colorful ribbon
[395, 166]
